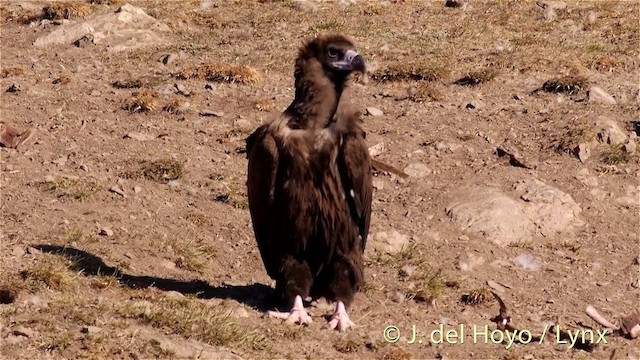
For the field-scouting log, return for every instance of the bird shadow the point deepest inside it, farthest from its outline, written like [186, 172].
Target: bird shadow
[257, 296]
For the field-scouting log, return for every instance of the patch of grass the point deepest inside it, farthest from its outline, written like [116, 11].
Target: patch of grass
[177, 107]
[197, 218]
[62, 80]
[50, 271]
[69, 188]
[570, 245]
[570, 84]
[60, 340]
[615, 154]
[574, 136]
[425, 93]
[521, 244]
[142, 101]
[477, 297]
[103, 282]
[477, 77]
[401, 71]
[234, 199]
[193, 319]
[264, 105]
[219, 72]
[428, 286]
[348, 344]
[127, 84]
[12, 72]
[395, 353]
[65, 10]
[162, 171]
[194, 253]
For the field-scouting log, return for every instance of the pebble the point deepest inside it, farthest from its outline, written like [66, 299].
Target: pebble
[463, 238]
[105, 231]
[168, 59]
[598, 95]
[137, 189]
[18, 251]
[374, 111]
[33, 251]
[212, 113]
[91, 330]
[378, 184]
[454, 3]
[116, 189]
[139, 136]
[407, 271]
[417, 170]
[583, 151]
[14, 88]
[23, 331]
[174, 184]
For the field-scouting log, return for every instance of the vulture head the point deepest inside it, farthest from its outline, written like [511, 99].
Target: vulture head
[334, 54]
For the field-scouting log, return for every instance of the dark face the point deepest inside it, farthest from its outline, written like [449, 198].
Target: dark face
[341, 56]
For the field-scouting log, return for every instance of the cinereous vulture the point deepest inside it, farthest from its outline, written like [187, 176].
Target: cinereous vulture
[309, 186]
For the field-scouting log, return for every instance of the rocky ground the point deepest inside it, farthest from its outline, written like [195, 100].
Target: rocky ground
[125, 229]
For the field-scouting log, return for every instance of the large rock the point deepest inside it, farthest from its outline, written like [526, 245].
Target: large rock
[551, 210]
[609, 131]
[540, 210]
[126, 29]
[489, 212]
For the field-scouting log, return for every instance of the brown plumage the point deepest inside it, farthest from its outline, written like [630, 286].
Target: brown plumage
[310, 183]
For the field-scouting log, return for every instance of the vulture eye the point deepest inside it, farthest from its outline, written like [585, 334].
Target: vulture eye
[333, 52]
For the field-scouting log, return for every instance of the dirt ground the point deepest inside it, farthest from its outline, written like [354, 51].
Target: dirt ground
[125, 230]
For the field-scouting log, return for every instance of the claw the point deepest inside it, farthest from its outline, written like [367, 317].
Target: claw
[340, 320]
[297, 315]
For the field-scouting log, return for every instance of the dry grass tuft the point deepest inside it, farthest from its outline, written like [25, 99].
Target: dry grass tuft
[197, 218]
[477, 77]
[194, 319]
[218, 72]
[402, 71]
[107, 2]
[127, 84]
[477, 297]
[163, 170]
[69, 188]
[615, 154]
[177, 107]
[264, 105]
[574, 136]
[194, 253]
[425, 93]
[395, 353]
[570, 84]
[62, 80]
[348, 344]
[428, 287]
[65, 10]
[13, 72]
[142, 101]
[48, 270]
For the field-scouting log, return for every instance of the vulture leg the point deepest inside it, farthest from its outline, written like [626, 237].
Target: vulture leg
[297, 314]
[340, 320]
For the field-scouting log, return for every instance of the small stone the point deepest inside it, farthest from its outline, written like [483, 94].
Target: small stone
[636, 284]
[630, 147]
[95, 93]
[174, 294]
[212, 113]
[609, 131]
[407, 271]
[528, 357]
[417, 170]
[49, 179]
[463, 238]
[137, 189]
[583, 151]
[182, 90]
[33, 251]
[168, 59]
[167, 264]
[60, 161]
[600, 96]
[174, 184]
[527, 262]
[84, 41]
[14, 88]
[378, 184]
[91, 330]
[374, 111]
[398, 297]
[591, 18]
[18, 251]
[473, 105]
[84, 167]
[116, 189]
[105, 231]
[23, 331]
[390, 243]
[139, 136]
[454, 3]
[242, 124]
[550, 14]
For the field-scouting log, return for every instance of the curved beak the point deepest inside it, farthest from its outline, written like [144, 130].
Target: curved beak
[352, 62]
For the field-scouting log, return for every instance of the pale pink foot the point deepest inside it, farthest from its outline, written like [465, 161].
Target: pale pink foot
[340, 320]
[297, 315]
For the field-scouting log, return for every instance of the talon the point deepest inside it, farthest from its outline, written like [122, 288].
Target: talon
[297, 314]
[340, 320]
